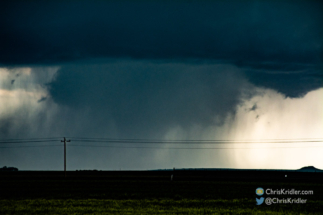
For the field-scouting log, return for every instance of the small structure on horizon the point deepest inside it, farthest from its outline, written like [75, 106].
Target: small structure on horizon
[8, 169]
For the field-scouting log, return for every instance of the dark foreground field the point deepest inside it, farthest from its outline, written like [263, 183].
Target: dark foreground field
[152, 192]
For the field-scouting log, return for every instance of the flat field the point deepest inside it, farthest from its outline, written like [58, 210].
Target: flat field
[144, 192]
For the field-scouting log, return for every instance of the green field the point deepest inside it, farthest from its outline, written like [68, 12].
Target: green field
[150, 206]
[147, 195]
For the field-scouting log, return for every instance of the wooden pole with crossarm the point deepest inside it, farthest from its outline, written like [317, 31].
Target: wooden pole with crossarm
[65, 153]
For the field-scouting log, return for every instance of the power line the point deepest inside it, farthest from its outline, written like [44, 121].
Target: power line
[193, 142]
[38, 138]
[27, 146]
[161, 140]
[149, 147]
[104, 146]
[155, 141]
[29, 140]
[144, 147]
[105, 138]
[140, 139]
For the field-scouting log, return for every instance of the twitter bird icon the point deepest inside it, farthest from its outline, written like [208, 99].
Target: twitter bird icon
[260, 201]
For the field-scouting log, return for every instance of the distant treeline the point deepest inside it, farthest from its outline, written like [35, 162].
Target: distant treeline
[94, 170]
[8, 169]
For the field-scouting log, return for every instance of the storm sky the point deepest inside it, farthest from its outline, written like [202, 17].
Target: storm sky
[168, 70]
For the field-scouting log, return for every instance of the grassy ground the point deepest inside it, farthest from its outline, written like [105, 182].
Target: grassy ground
[147, 195]
[150, 206]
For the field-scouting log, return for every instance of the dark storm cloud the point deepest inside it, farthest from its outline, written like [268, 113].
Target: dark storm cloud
[254, 35]
[148, 97]
[291, 84]
[38, 32]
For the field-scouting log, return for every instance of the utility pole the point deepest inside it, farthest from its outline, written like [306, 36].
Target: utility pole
[65, 153]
